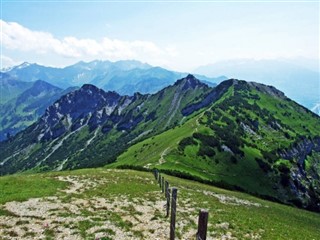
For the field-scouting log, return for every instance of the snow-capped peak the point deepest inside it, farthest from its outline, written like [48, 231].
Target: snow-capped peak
[23, 65]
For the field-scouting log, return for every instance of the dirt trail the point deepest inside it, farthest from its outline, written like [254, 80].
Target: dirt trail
[162, 160]
[198, 118]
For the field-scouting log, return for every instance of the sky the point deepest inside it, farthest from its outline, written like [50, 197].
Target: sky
[178, 35]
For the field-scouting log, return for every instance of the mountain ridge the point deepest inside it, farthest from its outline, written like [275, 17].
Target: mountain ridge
[216, 134]
[269, 155]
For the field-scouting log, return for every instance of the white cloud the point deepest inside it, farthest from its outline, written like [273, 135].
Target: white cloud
[7, 62]
[17, 37]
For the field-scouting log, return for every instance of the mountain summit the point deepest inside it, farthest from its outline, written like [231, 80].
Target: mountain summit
[189, 82]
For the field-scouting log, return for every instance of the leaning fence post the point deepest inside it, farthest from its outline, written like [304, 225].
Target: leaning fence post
[162, 184]
[168, 201]
[173, 213]
[202, 224]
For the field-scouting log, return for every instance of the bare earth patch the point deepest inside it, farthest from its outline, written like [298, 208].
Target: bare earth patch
[70, 215]
[231, 200]
[86, 218]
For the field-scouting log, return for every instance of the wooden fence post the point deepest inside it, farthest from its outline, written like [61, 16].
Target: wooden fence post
[166, 189]
[162, 184]
[173, 213]
[159, 180]
[168, 201]
[156, 174]
[202, 224]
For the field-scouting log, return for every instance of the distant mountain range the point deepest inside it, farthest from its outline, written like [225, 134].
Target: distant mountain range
[125, 77]
[28, 89]
[298, 79]
[240, 135]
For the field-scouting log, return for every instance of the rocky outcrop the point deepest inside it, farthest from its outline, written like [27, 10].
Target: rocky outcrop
[300, 150]
[301, 180]
[88, 105]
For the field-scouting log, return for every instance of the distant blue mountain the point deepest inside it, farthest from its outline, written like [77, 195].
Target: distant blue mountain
[125, 77]
[25, 108]
[298, 82]
[10, 87]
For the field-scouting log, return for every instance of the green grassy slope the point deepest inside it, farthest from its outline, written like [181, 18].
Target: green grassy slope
[126, 204]
[241, 141]
[95, 145]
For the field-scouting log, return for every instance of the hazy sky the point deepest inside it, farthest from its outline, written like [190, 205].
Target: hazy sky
[179, 35]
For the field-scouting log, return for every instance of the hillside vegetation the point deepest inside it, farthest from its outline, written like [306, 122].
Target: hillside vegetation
[126, 204]
[252, 138]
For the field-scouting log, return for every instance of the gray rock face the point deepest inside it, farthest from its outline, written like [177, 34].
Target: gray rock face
[301, 149]
[301, 182]
[88, 105]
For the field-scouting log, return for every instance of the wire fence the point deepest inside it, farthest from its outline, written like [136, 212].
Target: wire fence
[171, 194]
